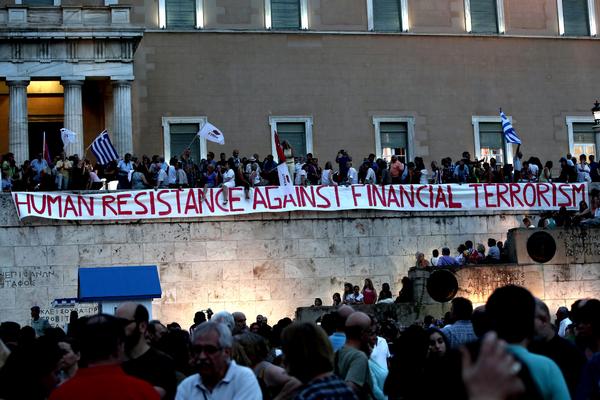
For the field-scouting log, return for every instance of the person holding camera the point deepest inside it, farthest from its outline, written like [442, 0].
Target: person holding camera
[342, 159]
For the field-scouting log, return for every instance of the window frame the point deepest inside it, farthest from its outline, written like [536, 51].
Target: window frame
[591, 18]
[303, 16]
[166, 125]
[508, 147]
[410, 133]
[570, 120]
[162, 14]
[308, 123]
[404, 24]
[56, 3]
[499, 17]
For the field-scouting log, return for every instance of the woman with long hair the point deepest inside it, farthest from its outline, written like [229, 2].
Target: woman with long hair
[327, 175]
[369, 293]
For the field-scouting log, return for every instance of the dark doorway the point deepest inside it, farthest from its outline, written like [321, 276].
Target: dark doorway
[36, 138]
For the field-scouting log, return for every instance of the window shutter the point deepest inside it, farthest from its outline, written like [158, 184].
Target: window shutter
[285, 14]
[295, 134]
[484, 17]
[584, 133]
[181, 13]
[386, 15]
[181, 137]
[39, 2]
[491, 135]
[575, 17]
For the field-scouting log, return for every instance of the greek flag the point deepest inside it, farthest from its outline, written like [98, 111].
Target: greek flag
[509, 132]
[103, 149]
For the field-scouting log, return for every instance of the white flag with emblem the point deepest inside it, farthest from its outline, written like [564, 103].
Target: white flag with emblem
[68, 136]
[212, 133]
[285, 181]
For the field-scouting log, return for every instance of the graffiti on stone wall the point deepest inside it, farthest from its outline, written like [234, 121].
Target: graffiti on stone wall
[60, 316]
[478, 284]
[23, 278]
[580, 242]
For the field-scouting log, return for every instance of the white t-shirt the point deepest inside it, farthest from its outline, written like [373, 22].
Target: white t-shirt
[172, 174]
[534, 170]
[299, 175]
[583, 173]
[162, 180]
[352, 176]
[370, 178]
[229, 178]
[424, 180]
[326, 177]
[517, 165]
[381, 352]
[562, 327]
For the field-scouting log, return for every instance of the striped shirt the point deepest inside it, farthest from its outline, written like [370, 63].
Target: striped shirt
[328, 388]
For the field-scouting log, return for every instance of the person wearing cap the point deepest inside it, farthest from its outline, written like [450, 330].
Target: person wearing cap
[38, 324]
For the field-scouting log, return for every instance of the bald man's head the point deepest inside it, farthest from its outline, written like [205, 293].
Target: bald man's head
[356, 324]
[345, 311]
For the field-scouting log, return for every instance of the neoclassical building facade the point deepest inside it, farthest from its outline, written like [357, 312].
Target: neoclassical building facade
[408, 77]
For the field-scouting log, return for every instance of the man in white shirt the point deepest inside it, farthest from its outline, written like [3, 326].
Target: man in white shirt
[218, 376]
[352, 174]
[562, 320]
[172, 172]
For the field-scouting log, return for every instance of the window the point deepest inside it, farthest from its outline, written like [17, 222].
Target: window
[296, 130]
[582, 138]
[576, 17]
[179, 133]
[180, 13]
[484, 16]
[387, 15]
[489, 140]
[286, 14]
[394, 136]
[38, 2]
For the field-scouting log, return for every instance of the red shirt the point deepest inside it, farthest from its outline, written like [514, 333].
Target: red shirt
[370, 296]
[104, 382]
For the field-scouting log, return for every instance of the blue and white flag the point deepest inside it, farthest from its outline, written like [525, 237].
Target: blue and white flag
[103, 149]
[509, 132]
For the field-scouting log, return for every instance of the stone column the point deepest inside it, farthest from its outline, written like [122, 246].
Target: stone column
[74, 115]
[18, 127]
[122, 125]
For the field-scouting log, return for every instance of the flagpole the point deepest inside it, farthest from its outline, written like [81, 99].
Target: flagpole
[87, 148]
[44, 145]
[195, 136]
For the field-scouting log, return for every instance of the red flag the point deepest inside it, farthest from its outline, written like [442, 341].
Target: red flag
[280, 154]
[47, 151]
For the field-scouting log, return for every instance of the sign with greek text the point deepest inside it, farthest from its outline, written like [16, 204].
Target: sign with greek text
[188, 203]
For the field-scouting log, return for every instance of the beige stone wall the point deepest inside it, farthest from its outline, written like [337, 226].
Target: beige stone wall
[264, 263]
[342, 81]
[273, 263]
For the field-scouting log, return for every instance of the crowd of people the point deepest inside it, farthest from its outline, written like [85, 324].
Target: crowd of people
[74, 173]
[508, 348]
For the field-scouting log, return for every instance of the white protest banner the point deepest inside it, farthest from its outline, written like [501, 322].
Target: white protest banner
[188, 203]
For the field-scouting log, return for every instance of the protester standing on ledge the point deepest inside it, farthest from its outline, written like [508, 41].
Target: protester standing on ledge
[37, 323]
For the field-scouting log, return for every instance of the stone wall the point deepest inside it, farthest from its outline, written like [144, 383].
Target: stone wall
[261, 263]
